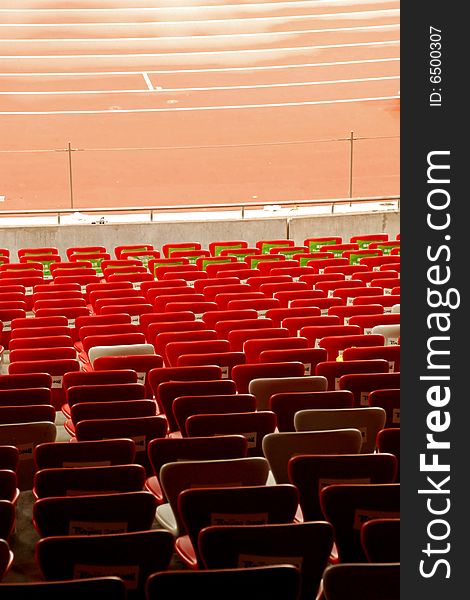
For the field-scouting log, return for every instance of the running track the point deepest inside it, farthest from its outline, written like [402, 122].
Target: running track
[232, 94]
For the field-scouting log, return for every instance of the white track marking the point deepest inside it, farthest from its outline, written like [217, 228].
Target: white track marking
[352, 14]
[200, 89]
[198, 52]
[202, 36]
[197, 108]
[211, 70]
[144, 75]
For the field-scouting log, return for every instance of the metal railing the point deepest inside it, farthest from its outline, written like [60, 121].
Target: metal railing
[34, 180]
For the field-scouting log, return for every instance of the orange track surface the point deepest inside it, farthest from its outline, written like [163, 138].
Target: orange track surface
[140, 73]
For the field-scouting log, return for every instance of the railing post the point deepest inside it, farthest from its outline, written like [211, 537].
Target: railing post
[351, 157]
[69, 150]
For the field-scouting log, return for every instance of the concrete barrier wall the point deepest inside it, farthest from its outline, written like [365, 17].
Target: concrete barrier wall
[251, 230]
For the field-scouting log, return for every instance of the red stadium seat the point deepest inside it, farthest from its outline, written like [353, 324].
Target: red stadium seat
[336, 344]
[310, 474]
[238, 337]
[243, 374]
[166, 450]
[225, 360]
[254, 347]
[334, 369]
[174, 350]
[361, 384]
[169, 390]
[188, 406]
[286, 404]
[253, 425]
[389, 353]
[57, 368]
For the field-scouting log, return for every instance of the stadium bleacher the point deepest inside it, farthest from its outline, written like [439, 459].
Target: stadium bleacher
[224, 366]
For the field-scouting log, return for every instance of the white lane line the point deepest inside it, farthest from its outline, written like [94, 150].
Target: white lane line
[197, 108]
[198, 52]
[202, 36]
[200, 89]
[383, 12]
[296, 3]
[144, 75]
[211, 70]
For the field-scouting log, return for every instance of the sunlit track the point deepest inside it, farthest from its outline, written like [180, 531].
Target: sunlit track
[347, 63]
[391, 12]
[60, 41]
[114, 74]
[199, 108]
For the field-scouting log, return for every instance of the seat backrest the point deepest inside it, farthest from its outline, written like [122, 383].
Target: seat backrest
[94, 514]
[311, 473]
[369, 421]
[162, 339]
[134, 556]
[139, 429]
[352, 581]
[25, 380]
[237, 338]
[84, 481]
[280, 447]
[266, 583]
[174, 350]
[334, 369]
[121, 350]
[73, 589]
[9, 457]
[113, 339]
[26, 436]
[390, 332]
[348, 506]
[239, 505]
[211, 318]
[225, 360]
[254, 347]
[225, 326]
[253, 425]
[244, 374]
[6, 558]
[54, 455]
[314, 333]
[380, 540]
[49, 341]
[389, 400]
[168, 391]
[175, 477]
[187, 406]
[361, 384]
[198, 373]
[27, 413]
[264, 388]
[308, 546]
[166, 450]
[140, 363]
[388, 440]
[7, 519]
[106, 392]
[368, 322]
[42, 353]
[119, 409]
[286, 404]
[389, 353]
[25, 397]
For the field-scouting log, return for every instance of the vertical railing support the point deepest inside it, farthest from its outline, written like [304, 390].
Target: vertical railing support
[351, 162]
[69, 150]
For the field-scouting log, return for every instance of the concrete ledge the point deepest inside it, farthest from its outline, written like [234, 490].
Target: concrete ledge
[251, 230]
